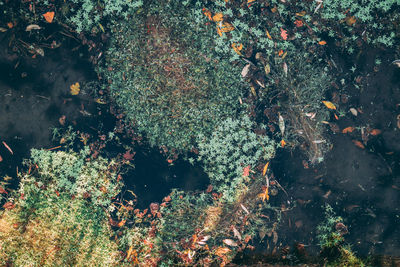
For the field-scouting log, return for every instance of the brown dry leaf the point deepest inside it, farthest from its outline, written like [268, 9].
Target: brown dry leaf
[350, 21]
[245, 70]
[218, 17]
[329, 104]
[221, 251]
[265, 168]
[358, 144]
[348, 130]
[49, 16]
[75, 88]
[230, 242]
[375, 132]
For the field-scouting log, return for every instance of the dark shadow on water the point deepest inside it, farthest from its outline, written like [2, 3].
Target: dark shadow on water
[153, 177]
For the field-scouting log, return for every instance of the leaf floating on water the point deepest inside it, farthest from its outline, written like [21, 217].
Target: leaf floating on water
[348, 130]
[354, 111]
[358, 144]
[265, 168]
[281, 124]
[329, 104]
[32, 27]
[49, 16]
[230, 242]
[8, 148]
[75, 88]
[375, 132]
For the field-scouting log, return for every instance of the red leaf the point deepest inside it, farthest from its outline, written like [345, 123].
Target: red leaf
[246, 171]
[3, 191]
[284, 34]
[9, 205]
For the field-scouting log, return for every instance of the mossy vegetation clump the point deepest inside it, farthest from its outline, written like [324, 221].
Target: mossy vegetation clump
[59, 215]
[164, 75]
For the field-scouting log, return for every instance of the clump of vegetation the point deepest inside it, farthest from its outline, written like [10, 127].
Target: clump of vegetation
[232, 148]
[59, 214]
[169, 85]
[330, 235]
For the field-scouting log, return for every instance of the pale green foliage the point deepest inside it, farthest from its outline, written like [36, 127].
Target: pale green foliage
[72, 173]
[233, 146]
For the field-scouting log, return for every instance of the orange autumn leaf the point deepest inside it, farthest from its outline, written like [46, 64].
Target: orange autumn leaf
[121, 223]
[322, 42]
[226, 27]
[246, 171]
[264, 196]
[75, 88]
[336, 117]
[207, 13]
[49, 16]
[217, 17]
[237, 48]
[268, 35]
[221, 251]
[348, 130]
[350, 20]
[358, 144]
[265, 168]
[329, 104]
[298, 23]
[283, 143]
[10, 25]
[250, 1]
[300, 14]
[280, 53]
[219, 31]
[284, 34]
[375, 132]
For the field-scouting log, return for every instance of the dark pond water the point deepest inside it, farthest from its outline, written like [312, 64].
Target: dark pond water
[362, 185]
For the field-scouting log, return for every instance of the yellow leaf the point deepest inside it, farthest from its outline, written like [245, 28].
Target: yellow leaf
[100, 101]
[265, 168]
[264, 196]
[219, 31]
[250, 1]
[226, 27]
[217, 17]
[267, 68]
[253, 91]
[221, 251]
[75, 88]
[268, 35]
[329, 104]
[237, 47]
[300, 14]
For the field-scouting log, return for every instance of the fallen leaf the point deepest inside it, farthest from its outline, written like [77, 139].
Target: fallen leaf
[397, 62]
[265, 168]
[264, 195]
[219, 31]
[281, 124]
[350, 21]
[358, 144]
[322, 42]
[245, 70]
[285, 68]
[284, 34]
[267, 68]
[329, 104]
[8, 148]
[49, 16]
[244, 208]
[236, 233]
[353, 111]
[1, 158]
[253, 91]
[283, 143]
[32, 27]
[298, 23]
[3, 29]
[274, 9]
[217, 17]
[250, 1]
[246, 171]
[237, 48]
[121, 223]
[375, 132]
[230, 242]
[221, 251]
[225, 27]
[75, 88]
[348, 130]
[268, 35]
[207, 13]
[300, 14]
[3, 191]
[9, 205]
[10, 25]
